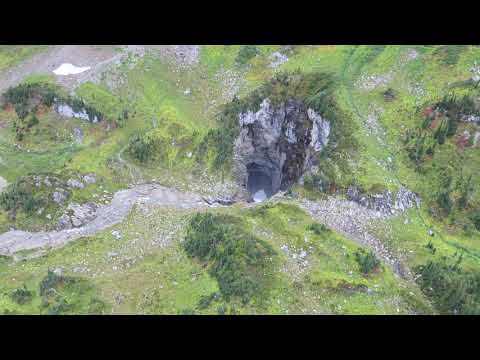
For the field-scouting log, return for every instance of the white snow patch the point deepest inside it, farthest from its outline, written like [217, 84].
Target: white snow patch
[69, 69]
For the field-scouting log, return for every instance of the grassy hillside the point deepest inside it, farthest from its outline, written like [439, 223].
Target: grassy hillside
[148, 271]
[383, 90]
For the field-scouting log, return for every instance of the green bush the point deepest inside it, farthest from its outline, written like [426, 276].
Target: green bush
[367, 261]
[206, 300]
[32, 121]
[51, 281]
[24, 97]
[21, 296]
[59, 306]
[19, 196]
[246, 53]
[318, 228]
[474, 216]
[452, 290]
[235, 258]
[141, 148]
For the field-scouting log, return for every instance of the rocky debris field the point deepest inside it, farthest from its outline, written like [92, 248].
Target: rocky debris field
[386, 202]
[353, 220]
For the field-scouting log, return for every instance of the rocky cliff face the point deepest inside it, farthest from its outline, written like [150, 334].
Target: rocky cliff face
[277, 144]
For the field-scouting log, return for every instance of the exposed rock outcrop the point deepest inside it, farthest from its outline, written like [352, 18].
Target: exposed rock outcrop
[278, 143]
[385, 202]
[77, 215]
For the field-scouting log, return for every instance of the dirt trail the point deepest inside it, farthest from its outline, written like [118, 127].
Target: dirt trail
[107, 215]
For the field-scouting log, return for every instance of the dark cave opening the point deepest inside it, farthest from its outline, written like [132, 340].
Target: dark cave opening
[260, 182]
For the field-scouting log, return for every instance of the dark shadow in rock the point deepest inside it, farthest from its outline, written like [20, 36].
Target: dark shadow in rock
[259, 182]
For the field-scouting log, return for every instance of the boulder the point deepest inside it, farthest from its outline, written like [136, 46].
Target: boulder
[74, 183]
[59, 196]
[77, 215]
[89, 179]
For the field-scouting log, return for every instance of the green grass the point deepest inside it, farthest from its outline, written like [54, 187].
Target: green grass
[11, 55]
[162, 279]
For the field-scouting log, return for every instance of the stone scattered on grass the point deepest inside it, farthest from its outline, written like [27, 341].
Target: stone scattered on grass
[73, 183]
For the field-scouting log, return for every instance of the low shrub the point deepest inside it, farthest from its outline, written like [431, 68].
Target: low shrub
[246, 53]
[22, 296]
[141, 148]
[474, 216]
[367, 261]
[431, 247]
[318, 228]
[51, 281]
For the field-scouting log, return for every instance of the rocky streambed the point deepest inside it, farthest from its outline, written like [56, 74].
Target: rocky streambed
[100, 218]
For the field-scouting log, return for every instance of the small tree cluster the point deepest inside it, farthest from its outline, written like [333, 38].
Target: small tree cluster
[19, 195]
[318, 228]
[452, 290]
[142, 148]
[367, 261]
[235, 258]
[246, 53]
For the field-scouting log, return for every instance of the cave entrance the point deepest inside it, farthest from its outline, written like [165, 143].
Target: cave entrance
[260, 182]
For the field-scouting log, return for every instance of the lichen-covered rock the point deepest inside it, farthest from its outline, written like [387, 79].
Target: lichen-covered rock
[73, 183]
[59, 196]
[278, 59]
[89, 179]
[77, 215]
